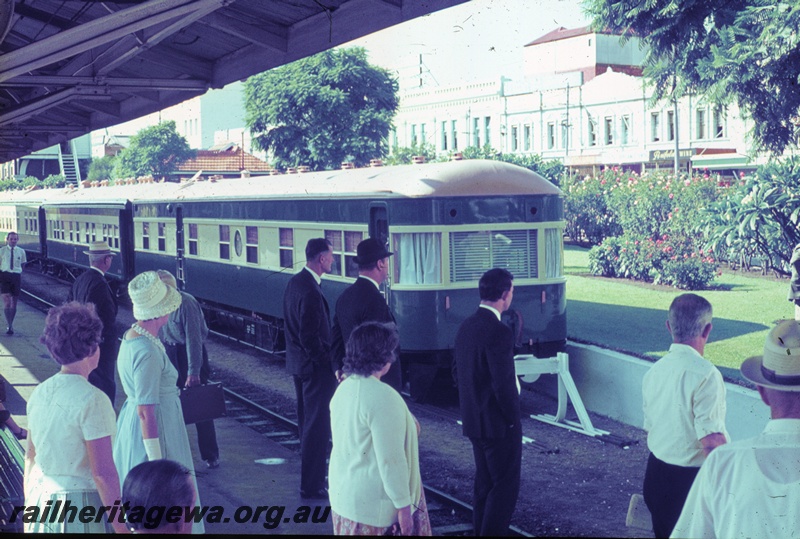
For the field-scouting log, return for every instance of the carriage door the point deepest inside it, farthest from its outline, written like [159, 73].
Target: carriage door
[379, 229]
[179, 246]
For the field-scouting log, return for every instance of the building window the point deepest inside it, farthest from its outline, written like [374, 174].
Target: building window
[719, 122]
[454, 134]
[592, 132]
[224, 242]
[252, 244]
[476, 135]
[486, 130]
[655, 126]
[444, 135]
[162, 238]
[514, 138]
[608, 125]
[413, 135]
[551, 135]
[286, 246]
[145, 235]
[671, 125]
[422, 134]
[701, 124]
[625, 130]
[526, 138]
[192, 238]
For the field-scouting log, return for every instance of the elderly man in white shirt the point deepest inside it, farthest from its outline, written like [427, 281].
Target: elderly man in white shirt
[684, 412]
[751, 488]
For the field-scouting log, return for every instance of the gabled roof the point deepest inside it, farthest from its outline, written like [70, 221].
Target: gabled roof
[210, 161]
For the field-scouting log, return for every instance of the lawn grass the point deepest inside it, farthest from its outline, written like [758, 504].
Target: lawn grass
[628, 316]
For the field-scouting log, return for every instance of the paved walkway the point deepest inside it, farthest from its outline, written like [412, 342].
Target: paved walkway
[255, 489]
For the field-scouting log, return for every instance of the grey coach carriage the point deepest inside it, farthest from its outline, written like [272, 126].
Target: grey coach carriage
[234, 244]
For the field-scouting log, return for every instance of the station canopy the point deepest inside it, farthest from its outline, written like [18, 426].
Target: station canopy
[68, 67]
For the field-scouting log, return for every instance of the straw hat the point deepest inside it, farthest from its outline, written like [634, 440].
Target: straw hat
[779, 366]
[152, 298]
[99, 248]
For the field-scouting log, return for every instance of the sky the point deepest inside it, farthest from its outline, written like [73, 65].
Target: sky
[478, 40]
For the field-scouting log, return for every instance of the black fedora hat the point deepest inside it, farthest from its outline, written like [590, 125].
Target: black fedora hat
[370, 250]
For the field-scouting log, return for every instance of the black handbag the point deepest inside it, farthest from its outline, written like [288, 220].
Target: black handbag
[202, 403]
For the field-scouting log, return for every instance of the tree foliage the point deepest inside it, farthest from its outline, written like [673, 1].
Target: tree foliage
[322, 110]
[156, 150]
[747, 51]
[102, 168]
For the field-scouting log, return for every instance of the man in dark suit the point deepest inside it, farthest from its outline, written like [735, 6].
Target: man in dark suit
[91, 287]
[308, 343]
[362, 302]
[489, 399]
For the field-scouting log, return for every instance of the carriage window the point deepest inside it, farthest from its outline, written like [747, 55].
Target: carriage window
[553, 253]
[225, 242]
[335, 237]
[473, 253]
[351, 241]
[145, 235]
[162, 237]
[192, 238]
[237, 243]
[116, 236]
[252, 244]
[417, 258]
[286, 247]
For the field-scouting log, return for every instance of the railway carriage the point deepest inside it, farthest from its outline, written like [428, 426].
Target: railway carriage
[235, 243]
[19, 212]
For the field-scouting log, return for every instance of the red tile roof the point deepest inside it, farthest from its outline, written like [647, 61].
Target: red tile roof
[236, 160]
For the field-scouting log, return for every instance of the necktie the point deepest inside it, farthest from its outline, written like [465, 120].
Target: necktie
[12, 258]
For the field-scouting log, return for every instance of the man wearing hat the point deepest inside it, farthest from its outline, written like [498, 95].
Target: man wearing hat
[362, 302]
[307, 330]
[684, 412]
[751, 488]
[12, 258]
[91, 287]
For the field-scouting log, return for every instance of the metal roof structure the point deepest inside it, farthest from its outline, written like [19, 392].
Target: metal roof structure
[68, 67]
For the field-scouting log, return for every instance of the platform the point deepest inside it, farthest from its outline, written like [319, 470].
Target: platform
[254, 471]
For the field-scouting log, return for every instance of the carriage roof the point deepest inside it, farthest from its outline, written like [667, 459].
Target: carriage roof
[468, 178]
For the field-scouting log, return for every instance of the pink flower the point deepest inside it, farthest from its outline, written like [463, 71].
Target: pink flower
[671, 195]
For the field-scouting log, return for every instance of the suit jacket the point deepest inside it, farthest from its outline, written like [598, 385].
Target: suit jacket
[360, 302]
[91, 287]
[487, 389]
[306, 322]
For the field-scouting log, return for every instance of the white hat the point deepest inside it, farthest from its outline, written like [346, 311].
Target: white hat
[99, 248]
[779, 367]
[152, 298]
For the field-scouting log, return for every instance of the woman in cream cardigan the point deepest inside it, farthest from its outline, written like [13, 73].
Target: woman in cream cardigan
[374, 466]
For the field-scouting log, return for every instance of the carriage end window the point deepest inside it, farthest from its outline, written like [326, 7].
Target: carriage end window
[473, 253]
[417, 258]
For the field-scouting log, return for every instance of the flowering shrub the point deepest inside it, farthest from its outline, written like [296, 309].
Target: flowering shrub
[589, 219]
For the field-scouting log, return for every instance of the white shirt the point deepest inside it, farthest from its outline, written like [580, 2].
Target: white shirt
[5, 259]
[684, 401]
[748, 489]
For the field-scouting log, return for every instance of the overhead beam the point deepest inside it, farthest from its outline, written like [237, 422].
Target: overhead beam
[32, 108]
[99, 32]
[255, 34]
[111, 82]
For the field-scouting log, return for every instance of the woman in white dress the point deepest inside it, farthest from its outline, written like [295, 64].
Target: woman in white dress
[71, 424]
[150, 424]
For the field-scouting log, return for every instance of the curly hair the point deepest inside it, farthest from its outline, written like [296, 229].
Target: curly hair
[370, 347]
[72, 332]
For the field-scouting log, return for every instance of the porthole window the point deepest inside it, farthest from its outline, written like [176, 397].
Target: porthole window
[237, 243]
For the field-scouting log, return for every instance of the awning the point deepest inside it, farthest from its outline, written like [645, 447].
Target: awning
[719, 161]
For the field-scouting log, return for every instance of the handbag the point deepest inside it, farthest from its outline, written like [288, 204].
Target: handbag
[202, 403]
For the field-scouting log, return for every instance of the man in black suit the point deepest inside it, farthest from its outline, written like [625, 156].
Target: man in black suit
[308, 345]
[489, 399]
[362, 302]
[91, 287]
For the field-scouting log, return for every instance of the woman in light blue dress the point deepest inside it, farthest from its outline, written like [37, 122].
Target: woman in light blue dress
[150, 424]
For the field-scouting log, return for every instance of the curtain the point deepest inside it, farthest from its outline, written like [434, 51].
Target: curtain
[419, 256]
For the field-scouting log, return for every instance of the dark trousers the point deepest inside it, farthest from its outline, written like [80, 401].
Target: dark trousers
[103, 377]
[497, 478]
[666, 487]
[206, 433]
[314, 394]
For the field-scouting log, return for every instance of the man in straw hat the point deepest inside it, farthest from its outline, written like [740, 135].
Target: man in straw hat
[362, 302]
[91, 287]
[751, 488]
[684, 412]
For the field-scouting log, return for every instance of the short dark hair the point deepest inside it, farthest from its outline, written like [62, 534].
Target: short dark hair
[688, 315]
[493, 283]
[156, 483]
[315, 246]
[370, 346]
[72, 332]
[12, 233]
